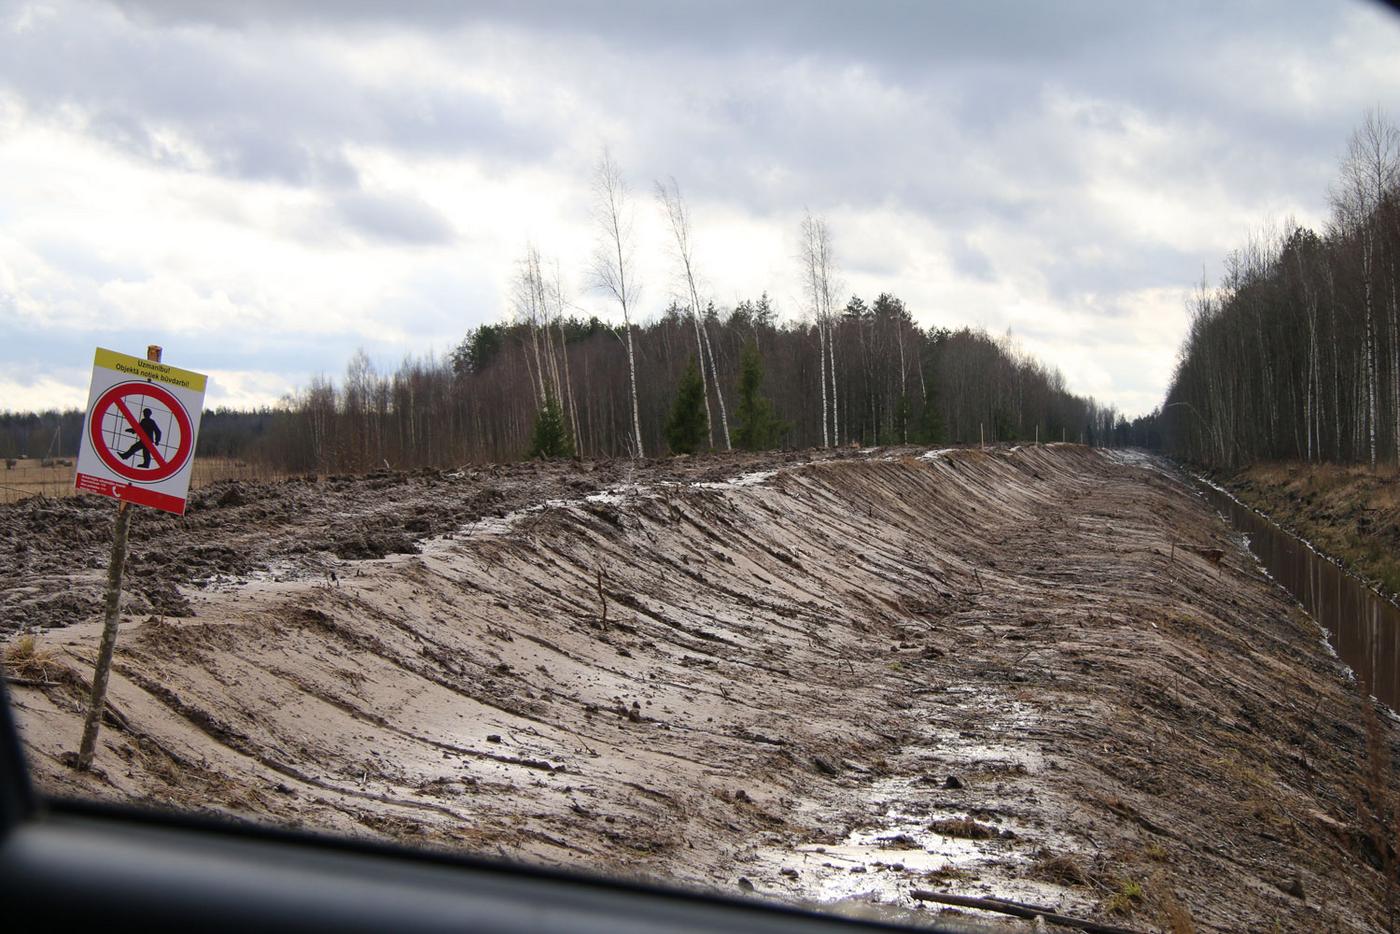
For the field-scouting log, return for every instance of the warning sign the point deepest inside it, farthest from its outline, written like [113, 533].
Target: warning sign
[138, 439]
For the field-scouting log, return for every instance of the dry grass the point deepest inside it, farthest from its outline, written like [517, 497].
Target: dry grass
[1124, 899]
[1351, 512]
[1176, 915]
[964, 827]
[1378, 805]
[1061, 870]
[29, 477]
[25, 659]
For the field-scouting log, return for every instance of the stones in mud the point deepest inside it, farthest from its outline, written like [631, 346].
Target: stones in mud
[372, 545]
[964, 828]
[951, 782]
[901, 841]
[233, 496]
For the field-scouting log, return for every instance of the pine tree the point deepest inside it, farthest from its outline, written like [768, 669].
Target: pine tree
[552, 437]
[759, 429]
[686, 429]
[931, 430]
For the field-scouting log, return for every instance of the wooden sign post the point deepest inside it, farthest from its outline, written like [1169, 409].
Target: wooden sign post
[122, 386]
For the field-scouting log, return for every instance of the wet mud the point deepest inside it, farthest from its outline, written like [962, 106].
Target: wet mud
[1047, 674]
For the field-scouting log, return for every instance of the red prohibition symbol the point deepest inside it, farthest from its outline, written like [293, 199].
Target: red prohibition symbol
[114, 402]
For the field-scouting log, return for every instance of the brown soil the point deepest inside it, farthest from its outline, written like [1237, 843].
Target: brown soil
[54, 550]
[1015, 673]
[1349, 512]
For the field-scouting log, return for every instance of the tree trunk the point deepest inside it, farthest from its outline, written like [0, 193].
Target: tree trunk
[821, 338]
[719, 392]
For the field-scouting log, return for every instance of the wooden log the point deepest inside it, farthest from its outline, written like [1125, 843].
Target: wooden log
[1018, 910]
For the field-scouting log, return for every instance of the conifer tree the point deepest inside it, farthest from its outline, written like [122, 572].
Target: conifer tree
[551, 438]
[901, 420]
[759, 429]
[931, 428]
[686, 429]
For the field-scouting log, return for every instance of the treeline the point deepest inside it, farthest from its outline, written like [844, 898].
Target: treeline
[53, 434]
[894, 382]
[50, 434]
[1297, 354]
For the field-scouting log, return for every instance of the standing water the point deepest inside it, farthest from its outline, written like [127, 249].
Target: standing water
[1363, 626]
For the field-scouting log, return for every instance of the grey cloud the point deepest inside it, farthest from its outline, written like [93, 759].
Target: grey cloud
[970, 261]
[891, 31]
[1120, 268]
[395, 218]
[258, 109]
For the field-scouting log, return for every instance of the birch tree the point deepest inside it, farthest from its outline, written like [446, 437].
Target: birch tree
[819, 274]
[678, 217]
[1370, 171]
[613, 268]
[530, 309]
[558, 303]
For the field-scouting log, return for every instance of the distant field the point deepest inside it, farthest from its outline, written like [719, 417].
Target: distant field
[29, 477]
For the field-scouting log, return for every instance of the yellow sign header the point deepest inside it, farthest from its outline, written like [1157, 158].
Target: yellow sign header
[145, 369]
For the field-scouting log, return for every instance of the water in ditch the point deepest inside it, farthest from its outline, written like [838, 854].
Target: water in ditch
[1363, 626]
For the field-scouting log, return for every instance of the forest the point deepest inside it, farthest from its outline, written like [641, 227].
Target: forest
[1296, 354]
[546, 381]
[894, 383]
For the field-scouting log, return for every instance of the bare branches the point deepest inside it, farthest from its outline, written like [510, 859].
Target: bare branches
[612, 264]
[819, 269]
[678, 217]
[612, 212]
[1369, 171]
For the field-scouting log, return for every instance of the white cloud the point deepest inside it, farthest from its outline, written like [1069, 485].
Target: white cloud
[63, 389]
[244, 389]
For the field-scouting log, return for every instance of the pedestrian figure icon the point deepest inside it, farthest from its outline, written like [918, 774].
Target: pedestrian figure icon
[149, 431]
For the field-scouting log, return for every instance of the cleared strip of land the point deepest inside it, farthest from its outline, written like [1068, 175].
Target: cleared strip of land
[1042, 673]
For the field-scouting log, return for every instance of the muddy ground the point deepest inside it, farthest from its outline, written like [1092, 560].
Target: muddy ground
[1047, 674]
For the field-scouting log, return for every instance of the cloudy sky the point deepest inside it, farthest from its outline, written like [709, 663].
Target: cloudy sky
[263, 187]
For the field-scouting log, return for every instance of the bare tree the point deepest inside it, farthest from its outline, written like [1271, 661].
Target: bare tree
[558, 302]
[819, 273]
[530, 309]
[612, 265]
[1370, 171]
[679, 218]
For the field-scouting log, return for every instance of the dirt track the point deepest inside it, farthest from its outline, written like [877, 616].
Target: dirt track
[1007, 673]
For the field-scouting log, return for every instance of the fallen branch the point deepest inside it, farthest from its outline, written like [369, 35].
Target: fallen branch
[1018, 910]
[32, 682]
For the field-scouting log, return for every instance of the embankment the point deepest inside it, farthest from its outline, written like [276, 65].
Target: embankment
[1040, 673]
[1351, 513]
